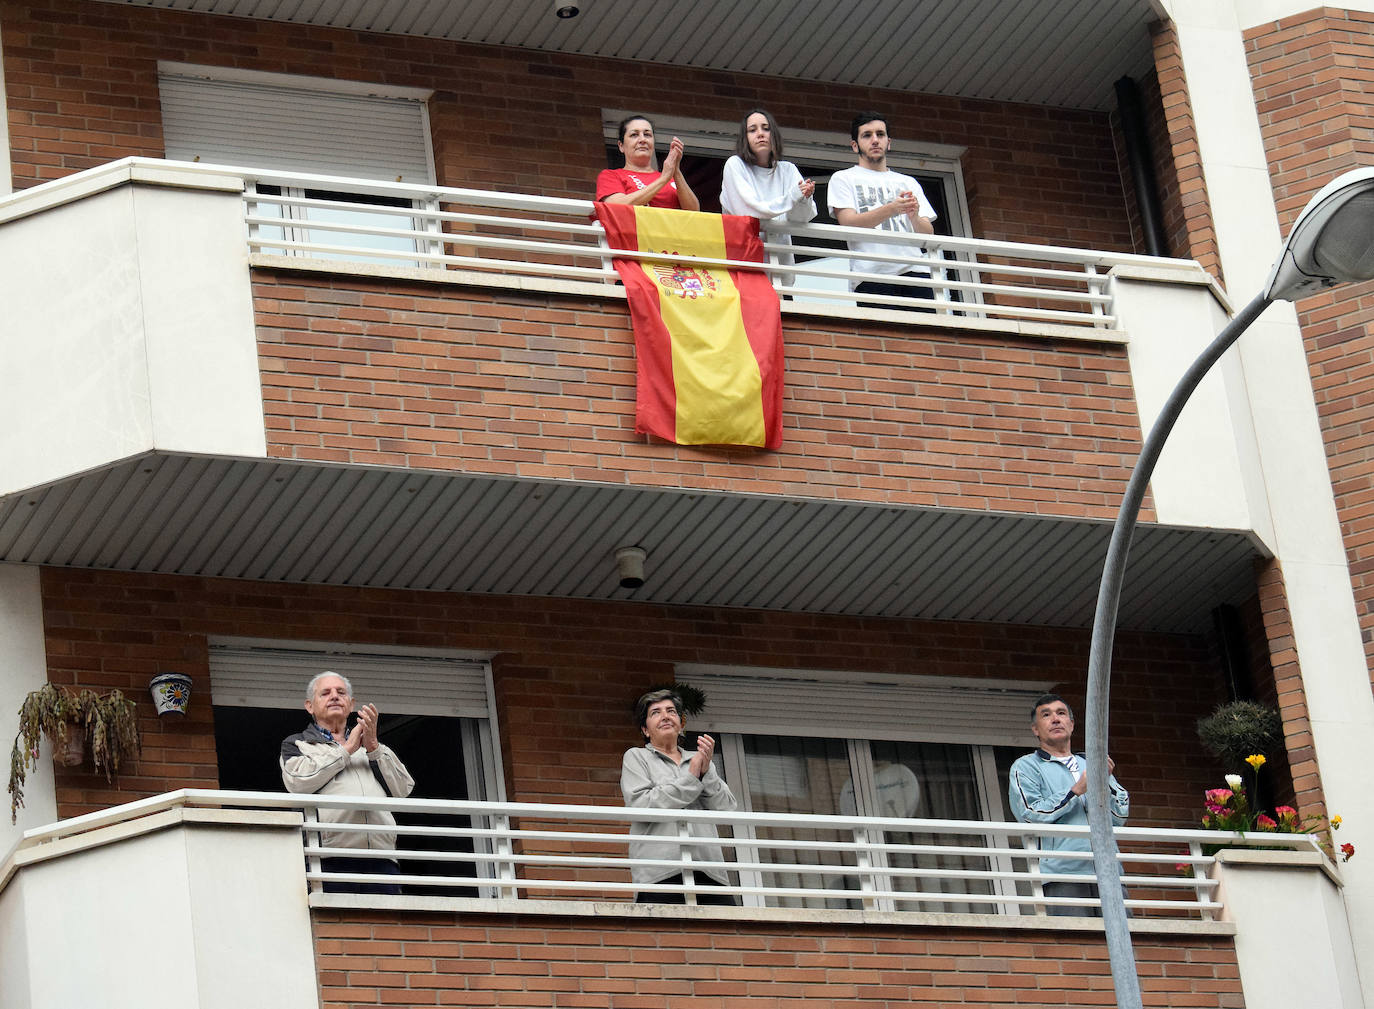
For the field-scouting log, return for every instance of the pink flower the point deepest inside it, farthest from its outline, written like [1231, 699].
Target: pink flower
[1264, 822]
[1285, 811]
[1219, 795]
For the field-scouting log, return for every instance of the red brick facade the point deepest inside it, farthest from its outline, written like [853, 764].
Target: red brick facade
[470, 960]
[1178, 163]
[566, 673]
[1289, 696]
[1311, 76]
[444, 378]
[81, 81]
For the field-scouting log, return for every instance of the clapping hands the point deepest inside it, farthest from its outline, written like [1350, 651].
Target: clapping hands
[701, 760]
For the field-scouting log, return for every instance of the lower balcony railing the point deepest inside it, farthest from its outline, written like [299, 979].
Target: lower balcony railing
[495, 853]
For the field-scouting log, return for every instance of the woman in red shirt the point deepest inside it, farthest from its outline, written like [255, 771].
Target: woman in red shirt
[637, 183]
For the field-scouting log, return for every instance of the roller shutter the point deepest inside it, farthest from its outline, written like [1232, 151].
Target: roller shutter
[253, 125]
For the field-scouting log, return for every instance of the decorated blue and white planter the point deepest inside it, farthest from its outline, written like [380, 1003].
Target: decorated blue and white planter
[171, 693]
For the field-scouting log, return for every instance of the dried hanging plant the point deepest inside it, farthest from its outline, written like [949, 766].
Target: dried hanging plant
[108, 724]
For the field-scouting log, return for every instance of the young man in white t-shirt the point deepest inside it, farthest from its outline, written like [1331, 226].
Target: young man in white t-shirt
[869, 195]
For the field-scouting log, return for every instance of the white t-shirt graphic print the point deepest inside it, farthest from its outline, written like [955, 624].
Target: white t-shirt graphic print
[862, 189]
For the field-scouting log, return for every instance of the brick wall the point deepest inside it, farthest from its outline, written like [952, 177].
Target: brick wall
[1178, 162]
[471, 960]
[1289, 696]
[1157, 126]
[1311, 77]
[566, 672]
[82, 89]
[394, 374]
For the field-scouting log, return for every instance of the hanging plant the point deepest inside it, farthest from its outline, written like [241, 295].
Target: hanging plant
[693, 698]
[1240, 728]
[106, 723]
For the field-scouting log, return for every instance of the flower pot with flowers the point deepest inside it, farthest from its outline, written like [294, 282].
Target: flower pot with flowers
[99, 729]
[1230, 809]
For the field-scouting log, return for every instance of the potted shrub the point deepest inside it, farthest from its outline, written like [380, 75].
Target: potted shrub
[1234, 731]
[101, 729]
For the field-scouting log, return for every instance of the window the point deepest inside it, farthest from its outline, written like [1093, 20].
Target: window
[876, 746]
[315, 126]
[436, 714]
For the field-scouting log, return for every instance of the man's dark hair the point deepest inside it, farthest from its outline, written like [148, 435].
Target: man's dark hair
[865, 117]
[1044, 699]
[648, 700]
[624, 124]
[774, 139]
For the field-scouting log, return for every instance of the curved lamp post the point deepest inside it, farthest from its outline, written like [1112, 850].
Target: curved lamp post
[1331, 243]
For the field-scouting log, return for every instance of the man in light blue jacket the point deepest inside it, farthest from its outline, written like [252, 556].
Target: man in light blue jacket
[1049, 786]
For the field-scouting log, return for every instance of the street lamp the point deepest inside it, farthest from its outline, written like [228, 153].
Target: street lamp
[1331, 243]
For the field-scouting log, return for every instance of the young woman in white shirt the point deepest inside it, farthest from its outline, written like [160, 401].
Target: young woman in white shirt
[758, 183]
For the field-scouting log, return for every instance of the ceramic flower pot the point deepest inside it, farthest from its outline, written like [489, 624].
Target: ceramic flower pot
[72, 751]
[171, 693]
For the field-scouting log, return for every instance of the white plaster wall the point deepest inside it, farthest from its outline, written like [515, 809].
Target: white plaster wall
[1208, 474]
[23, 667]
[128, 328]
[192, 917]
[1326, 633]
[14, 949]
[1292, 939]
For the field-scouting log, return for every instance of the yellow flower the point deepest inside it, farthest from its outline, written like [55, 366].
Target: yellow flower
[1336, 822]
[1255, 760]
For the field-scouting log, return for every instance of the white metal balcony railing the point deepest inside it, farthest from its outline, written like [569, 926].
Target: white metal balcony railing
[474, 234]
[499, 852]
[533, 236]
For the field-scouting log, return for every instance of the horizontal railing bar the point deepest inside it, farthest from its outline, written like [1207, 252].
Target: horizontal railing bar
[260, 244]
[446, 237]
[623, 814]
[422, 213]
[802, 868]
[859, 896]
[840, 846]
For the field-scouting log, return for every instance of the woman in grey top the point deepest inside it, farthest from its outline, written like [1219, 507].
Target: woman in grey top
[662, 775]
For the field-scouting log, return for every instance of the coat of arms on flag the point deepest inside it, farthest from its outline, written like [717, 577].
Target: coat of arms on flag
[708, 339]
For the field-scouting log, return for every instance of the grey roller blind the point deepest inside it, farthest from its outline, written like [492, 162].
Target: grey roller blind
[863, 706]
[296, 130]
[261, 677]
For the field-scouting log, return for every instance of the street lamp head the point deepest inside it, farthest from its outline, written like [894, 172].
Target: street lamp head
[1332, 241]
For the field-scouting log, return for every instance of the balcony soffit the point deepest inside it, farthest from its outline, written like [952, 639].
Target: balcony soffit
[293, 522]
[1063, 53]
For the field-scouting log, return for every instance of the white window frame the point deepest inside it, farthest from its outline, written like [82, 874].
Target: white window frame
[481, 747]
[1002, 727]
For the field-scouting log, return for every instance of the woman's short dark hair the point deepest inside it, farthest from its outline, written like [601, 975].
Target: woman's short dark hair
[647, 701]
[774, 139]
[625, 124]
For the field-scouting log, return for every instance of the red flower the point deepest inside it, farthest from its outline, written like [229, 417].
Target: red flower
[1264, 822]
[1347, 851]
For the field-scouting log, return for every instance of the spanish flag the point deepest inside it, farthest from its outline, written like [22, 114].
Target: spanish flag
[708, 339]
